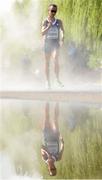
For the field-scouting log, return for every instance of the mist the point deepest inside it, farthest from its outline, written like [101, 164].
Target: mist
[22, 58]
[19, 46]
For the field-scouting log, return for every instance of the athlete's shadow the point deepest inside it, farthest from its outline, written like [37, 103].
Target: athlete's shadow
[53, 144]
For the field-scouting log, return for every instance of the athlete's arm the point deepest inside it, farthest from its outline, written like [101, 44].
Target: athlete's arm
[62, 30]
[44, 29]
[44, 154]
[61, 148]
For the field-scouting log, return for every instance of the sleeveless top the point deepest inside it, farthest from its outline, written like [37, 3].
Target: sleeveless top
[53, 147]
[52, 144]
[53, 31]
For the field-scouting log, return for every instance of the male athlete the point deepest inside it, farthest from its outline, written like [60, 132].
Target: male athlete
[53, 144]
[53, 33]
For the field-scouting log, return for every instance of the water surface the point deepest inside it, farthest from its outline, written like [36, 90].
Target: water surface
[21, 138]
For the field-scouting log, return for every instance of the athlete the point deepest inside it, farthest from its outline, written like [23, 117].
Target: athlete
[53, 34]
[53, 144]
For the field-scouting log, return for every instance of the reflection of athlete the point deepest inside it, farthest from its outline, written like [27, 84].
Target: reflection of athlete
[53, 144]
[51, 31]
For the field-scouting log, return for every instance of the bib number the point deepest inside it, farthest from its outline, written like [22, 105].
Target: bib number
[53, 33]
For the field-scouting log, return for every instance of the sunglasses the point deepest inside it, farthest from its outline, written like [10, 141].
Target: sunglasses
[52, 169]
[53, 11]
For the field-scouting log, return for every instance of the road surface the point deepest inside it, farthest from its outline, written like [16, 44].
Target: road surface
[84, 96]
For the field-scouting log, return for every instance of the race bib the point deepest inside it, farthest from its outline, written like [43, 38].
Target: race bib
[53, 33]
[53, 147]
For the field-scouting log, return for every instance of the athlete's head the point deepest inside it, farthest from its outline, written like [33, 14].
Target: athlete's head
[51, 167]
[52, 9]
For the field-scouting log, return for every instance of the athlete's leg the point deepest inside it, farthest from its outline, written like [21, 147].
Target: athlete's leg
[47, 117]
[56, 62]
[56, 116]
[56, 65]
[47, 70]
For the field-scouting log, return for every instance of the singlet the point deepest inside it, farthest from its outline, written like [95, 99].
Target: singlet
[52, 144]
[53, 31]
[53, 147]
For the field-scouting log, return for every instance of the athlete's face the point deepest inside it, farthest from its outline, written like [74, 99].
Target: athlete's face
[52, 11]
[51, 167]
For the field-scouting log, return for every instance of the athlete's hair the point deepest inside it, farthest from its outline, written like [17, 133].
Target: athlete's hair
[54, 5]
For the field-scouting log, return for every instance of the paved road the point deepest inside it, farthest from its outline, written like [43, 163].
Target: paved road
[85, 96]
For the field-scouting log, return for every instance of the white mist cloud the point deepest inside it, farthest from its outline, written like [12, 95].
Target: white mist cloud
[5, 6]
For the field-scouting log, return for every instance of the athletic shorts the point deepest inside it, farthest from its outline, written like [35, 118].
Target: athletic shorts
[50, 135]
[51, 45]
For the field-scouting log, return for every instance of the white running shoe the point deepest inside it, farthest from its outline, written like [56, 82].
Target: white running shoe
[59, 83]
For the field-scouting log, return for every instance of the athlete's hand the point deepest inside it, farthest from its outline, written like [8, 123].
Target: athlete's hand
[61, 138]
[49, 25]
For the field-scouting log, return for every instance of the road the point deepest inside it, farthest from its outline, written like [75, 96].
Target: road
[84, 96]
